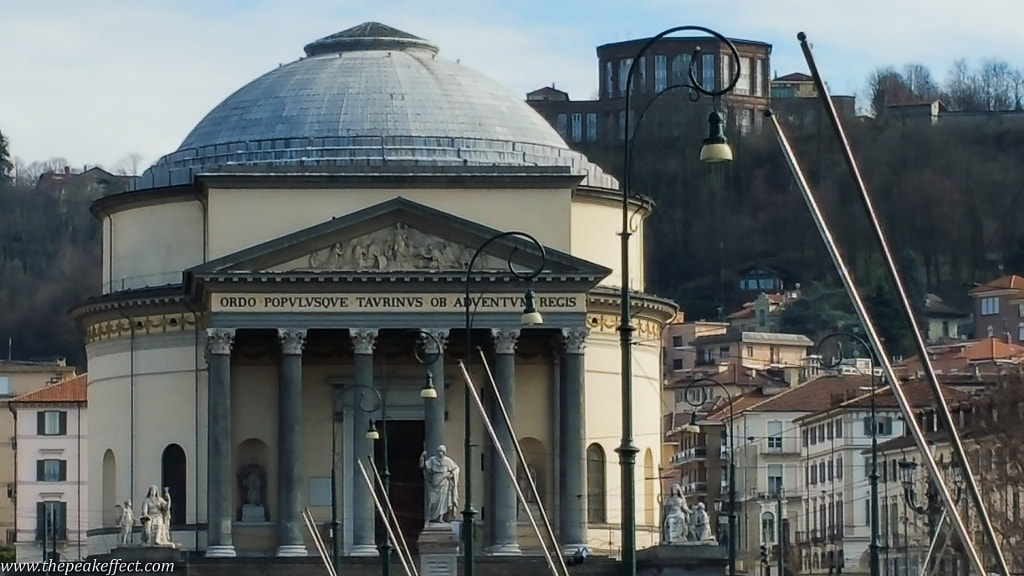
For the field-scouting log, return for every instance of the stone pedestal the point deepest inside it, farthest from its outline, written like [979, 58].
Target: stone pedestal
[143, 553]
[251, 513]
[689, 559]
[439, 550]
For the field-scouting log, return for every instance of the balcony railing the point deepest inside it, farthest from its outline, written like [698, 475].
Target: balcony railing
[695, 488]
[689, 455]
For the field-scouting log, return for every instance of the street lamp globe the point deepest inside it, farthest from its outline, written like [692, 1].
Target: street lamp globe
[716, 148]
[371, 431]
[428, 392]
[531, 317]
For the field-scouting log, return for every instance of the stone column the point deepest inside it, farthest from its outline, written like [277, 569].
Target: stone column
[363, 536]
[506, 540]
[572, 488]
[434, 409]
[220, 480]
[289, 444]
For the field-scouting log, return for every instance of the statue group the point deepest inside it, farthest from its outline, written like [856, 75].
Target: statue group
[155, 519]
[680, 524]
[441, 476]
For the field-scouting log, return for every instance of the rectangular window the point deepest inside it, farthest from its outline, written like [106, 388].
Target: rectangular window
[867, 512]
[561, 125]
[5, 385]
[743, 121]
[51, 470]
[990, 306]
[775, 435]
[591, 126]
[750, 351]
[727, 71]
[814, 474]
[660, 73]
[641, 74]
[622, 124]
[743, 87]
[839, 515]
[52, 520]
[609, 80]
[828, 430]
[577, 127]
[52, 423]
[775, 479]
[624, 65]
[839, 467]
[681, 69]
[758, 78]
[839, 427]
[831, 473]
[805, 437]
[677, 341]
[677, 363]
[821, 470]
[1020, 310]
[708, 71]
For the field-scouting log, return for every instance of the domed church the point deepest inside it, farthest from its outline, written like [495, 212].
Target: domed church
[274, 287]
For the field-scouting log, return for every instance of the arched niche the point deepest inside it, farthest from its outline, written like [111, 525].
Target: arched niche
[597, 505]
[174, 477]
[536, 456]
[109, 483]
[649, 496]
[252, 451]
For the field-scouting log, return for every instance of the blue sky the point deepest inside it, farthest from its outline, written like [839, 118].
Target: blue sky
[93, 82]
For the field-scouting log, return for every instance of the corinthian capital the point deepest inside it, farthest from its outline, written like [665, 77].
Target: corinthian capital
[219, 340]
[436, 342]
[505, 340]
[575, 339]
[292, 341]
[363, 339]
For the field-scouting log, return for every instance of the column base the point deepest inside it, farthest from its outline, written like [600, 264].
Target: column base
[505, 550]
[291, 551]
[364, 550]
[220, 552]
[570, 549]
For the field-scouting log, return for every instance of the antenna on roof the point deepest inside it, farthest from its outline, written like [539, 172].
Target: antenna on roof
[10, 348]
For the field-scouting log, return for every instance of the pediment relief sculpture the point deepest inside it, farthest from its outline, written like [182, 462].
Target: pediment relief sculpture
[397, 248]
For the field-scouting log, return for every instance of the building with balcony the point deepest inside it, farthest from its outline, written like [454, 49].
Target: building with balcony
[51, 471]
[17, 378]
[677, 341]
[755, 351]
[999, 309]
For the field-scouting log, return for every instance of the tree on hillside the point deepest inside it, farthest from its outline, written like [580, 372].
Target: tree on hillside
[821, 310]
[5, 161]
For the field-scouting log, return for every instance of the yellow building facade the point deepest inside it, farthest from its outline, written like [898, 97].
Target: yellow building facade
[274, 286]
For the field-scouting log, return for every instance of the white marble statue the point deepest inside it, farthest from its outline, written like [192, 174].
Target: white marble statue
[441, 475]
[126, 521]
[165, 537]
[153, 509]
[700, 525]
[675, 517]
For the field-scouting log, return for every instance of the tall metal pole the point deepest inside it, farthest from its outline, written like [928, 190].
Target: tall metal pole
[942, 407]
[875, 567]
[335, 524]
[385, 477]
[468, 512]
[627, 450]
[781, 536]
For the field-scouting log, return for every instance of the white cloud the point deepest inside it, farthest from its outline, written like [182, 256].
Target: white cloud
[93, 82]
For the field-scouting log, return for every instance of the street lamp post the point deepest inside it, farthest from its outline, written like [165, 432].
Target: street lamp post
[834, 360]
[931, 508]
[428, 392]
[732, 458]
[715, 149]
[530, 317]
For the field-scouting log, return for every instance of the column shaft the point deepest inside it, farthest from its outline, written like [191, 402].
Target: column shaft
[363, 535]
[572, 489]
[506, 540]
[434, 409]
[219, 478]
[289, 444]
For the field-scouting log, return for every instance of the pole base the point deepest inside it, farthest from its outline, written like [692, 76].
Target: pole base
[292, 551]
[570, 549]
[364, 550]
[220, 552]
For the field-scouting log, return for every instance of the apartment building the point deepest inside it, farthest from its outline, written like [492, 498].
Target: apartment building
[999, 309]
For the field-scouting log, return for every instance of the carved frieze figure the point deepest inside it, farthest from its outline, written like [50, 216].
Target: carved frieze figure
[441, 475]
[675, 517]
[126, 521]
[701, 524]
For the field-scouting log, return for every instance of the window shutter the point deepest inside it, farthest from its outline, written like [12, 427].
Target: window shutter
[867, 426]
[40, 423]
[63, 423]
[40, 520]
[63, 473]
[62, 520]
[40, 470]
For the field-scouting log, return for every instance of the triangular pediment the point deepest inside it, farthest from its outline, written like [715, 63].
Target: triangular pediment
[394, 237]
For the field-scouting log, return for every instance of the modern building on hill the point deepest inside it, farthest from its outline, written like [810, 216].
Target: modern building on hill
[794, 98]
[51, 470]
[312, 235]
[999, 309]
[667, 63]
[17, 378]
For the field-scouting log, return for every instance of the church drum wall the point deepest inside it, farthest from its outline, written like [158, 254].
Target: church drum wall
[152, 244]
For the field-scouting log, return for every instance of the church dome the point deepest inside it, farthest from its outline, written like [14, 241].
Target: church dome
[370, 96]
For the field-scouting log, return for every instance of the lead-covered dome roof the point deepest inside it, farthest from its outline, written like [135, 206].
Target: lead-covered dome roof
[370, 96]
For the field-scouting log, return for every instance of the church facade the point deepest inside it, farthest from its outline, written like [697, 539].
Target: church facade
[273, 288]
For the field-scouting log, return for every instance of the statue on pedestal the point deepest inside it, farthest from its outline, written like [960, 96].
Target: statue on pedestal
[441, 475]
[253, 482]
[523, 477]
[675, 517]
[701, 525]
[155, 509]
[126, 521]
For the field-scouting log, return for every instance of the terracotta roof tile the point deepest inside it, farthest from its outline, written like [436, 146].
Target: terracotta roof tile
[71, 390]
[738, 405]
[918, 393]
[818, 394]
[1012, 282]
[960, 356]
[794, 77]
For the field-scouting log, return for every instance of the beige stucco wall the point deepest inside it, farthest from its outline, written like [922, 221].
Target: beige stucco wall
[595, 237]
[153, 244]
[72, 448]
[165, 411]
